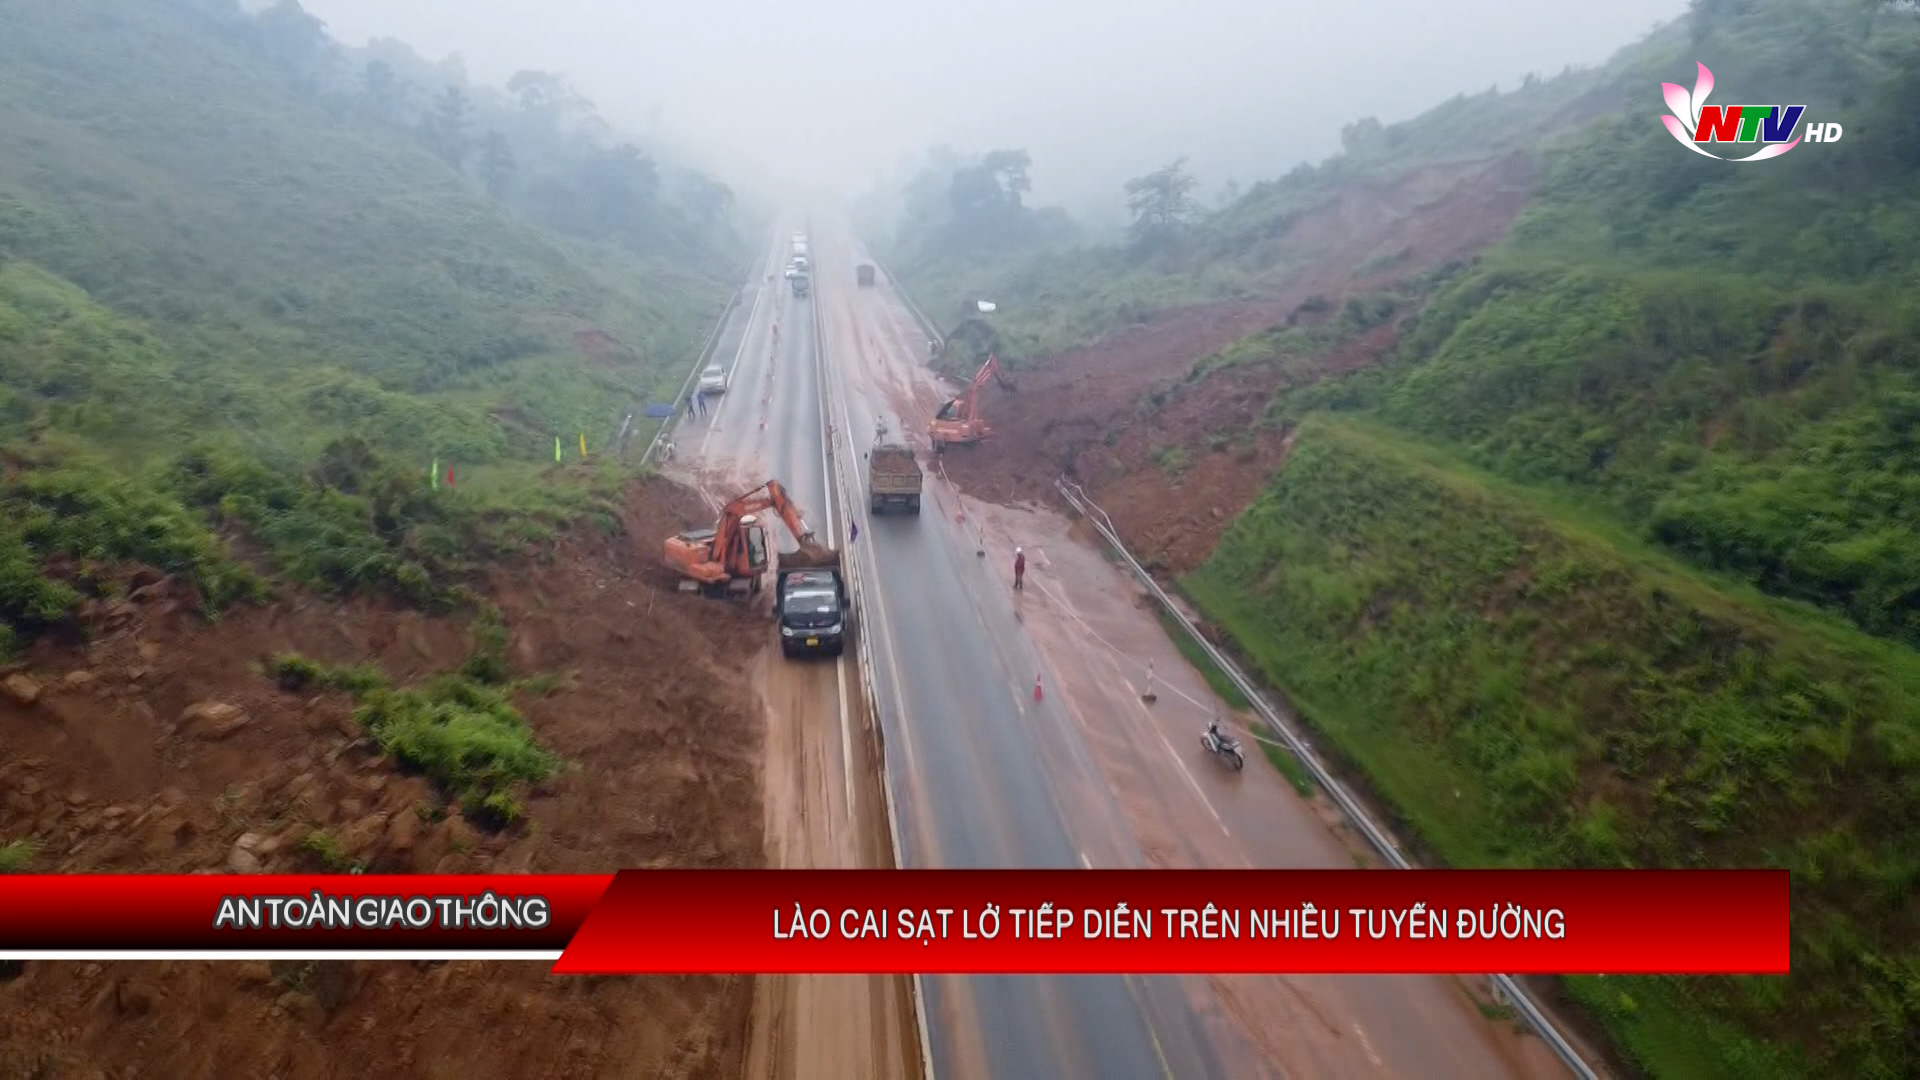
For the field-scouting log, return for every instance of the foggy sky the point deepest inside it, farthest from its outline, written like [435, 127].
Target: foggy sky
[832, 92]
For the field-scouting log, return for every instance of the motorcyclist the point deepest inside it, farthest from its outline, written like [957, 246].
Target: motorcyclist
[1218, 737]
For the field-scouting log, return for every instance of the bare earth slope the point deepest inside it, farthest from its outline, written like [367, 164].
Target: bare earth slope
[663, 746]
[1090, 412]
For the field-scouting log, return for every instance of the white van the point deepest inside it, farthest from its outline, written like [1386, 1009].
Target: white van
[713, 380]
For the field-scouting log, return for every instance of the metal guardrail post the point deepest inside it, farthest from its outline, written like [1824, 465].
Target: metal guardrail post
[1382, 841]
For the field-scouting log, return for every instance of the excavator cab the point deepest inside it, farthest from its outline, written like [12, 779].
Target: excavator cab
[756, 545]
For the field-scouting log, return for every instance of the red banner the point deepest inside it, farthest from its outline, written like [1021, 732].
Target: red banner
[946, 921]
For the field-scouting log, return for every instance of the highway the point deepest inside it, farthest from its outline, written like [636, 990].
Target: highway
[971, 757]
[824, 804]
[982, 775]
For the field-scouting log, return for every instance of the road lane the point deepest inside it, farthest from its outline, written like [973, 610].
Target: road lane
[1116, 766]
[823, 803]
[968, 744]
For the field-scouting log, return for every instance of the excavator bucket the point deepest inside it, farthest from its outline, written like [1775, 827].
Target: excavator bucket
[811, 556]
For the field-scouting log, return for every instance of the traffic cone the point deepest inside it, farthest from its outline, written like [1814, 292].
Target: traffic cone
[1037, 695]
[763, 423]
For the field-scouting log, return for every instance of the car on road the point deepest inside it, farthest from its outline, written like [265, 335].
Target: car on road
[713, 380]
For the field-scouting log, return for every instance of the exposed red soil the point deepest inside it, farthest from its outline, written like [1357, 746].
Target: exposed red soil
[654, 719]
[603, 348]
[1090, 413]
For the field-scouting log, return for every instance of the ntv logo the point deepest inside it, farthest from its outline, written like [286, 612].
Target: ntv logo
[1694, 122]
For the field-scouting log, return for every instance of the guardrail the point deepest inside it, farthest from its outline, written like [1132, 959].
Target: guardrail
[1508, 990]
[834, 415]
[926, 325]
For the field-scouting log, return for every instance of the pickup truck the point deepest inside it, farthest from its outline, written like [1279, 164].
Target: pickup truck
[893, 477]
[811, 607]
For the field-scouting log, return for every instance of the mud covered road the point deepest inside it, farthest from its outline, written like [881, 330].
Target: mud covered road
[1090, 776]
[824, 807]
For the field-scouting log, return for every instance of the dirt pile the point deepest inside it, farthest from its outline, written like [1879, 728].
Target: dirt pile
[1173, 462]
[161, 746]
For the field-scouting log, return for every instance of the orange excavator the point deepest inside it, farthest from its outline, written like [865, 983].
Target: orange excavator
[959, 421]
[732, 556]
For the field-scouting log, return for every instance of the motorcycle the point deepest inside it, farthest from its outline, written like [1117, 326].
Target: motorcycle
[1219, 742]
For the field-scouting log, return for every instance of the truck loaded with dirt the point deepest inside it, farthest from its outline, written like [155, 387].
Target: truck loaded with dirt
[894, 478]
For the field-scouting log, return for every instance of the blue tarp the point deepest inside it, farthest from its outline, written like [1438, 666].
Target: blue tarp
[659, 412]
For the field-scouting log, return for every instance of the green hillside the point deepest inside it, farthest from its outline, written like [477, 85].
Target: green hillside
[1616, 561]
[227, 293]
[1525, 689]
[1722, 357]
[1056, 291]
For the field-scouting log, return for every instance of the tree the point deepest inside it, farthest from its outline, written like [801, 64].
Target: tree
[497, 165]
[292, 36]
[382, 89]
[975, 194]
[551, 98]
[445, 128]
[619, 186]
[1009, 170]
[1361, 133]
[1229, 193]
[709, 199]
[984, 197]
[1161, 202]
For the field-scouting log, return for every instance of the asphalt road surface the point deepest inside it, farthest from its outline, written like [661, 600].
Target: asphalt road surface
[969, 755]
[824, 804]
[984, 776]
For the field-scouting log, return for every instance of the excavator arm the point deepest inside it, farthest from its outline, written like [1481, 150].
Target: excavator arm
[789, 512]
[772, 495]
[768, 496]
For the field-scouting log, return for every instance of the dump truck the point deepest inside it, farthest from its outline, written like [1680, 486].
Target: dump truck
[810, 605]
[864, 274]
[894, 477]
